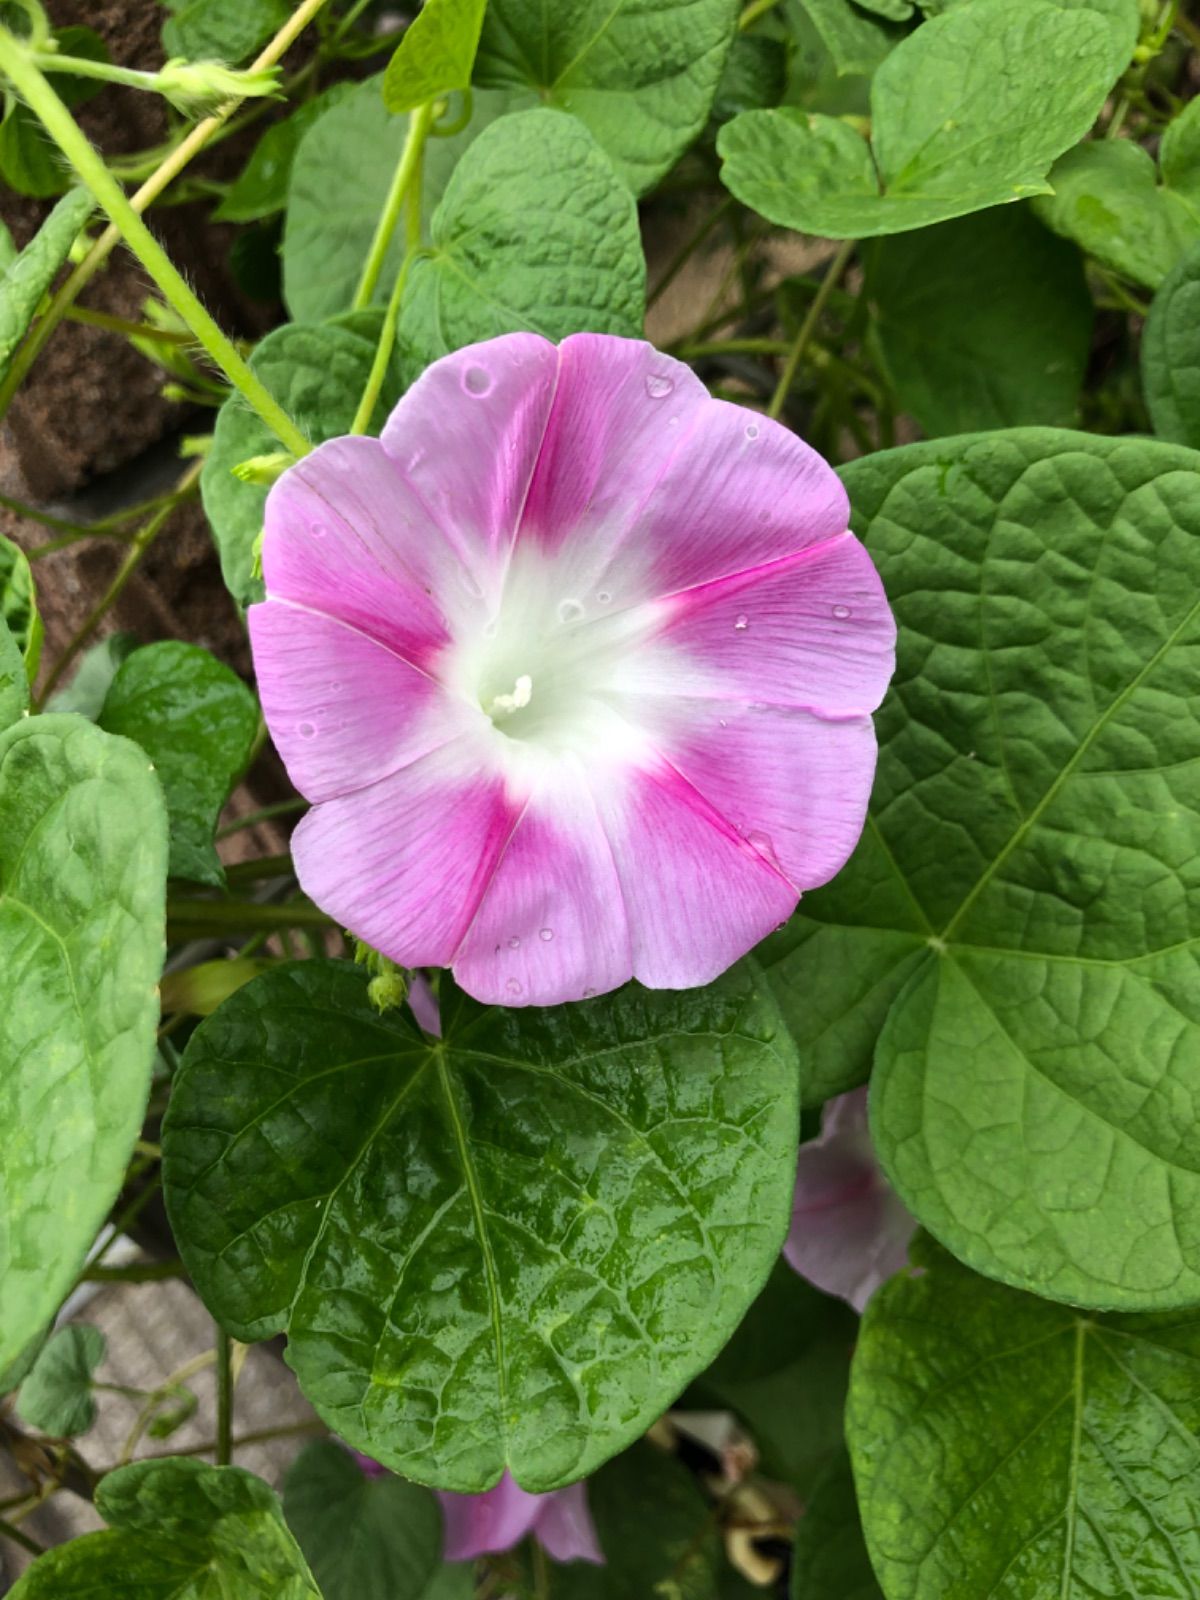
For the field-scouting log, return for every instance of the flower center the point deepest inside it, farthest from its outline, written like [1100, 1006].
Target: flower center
[503, 705]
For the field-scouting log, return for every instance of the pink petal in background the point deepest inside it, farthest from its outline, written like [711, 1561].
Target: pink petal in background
[477, 1524]
[850, 1231]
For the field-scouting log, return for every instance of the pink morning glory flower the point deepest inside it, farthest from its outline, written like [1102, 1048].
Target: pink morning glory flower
[850, 1231]
[478, 1524]
[576, 665]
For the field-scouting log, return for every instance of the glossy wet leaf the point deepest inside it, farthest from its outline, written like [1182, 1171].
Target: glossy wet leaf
[341, 174]
[1112, 201]
[1006, 1446]
[435, 55]
[318, 375]
[829, 1557]
[261, 188]
[640, 75]
[83, 855]
[984, 322]
[535, 231]
[178, 1530]
[364, 1538]
[26, 278]
[968, 111]
[1014, 941]
[1171, 354]
[56, 1396]
[196, 720]
[513, 1248]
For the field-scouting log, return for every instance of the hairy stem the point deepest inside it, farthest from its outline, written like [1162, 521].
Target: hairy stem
[808, 327]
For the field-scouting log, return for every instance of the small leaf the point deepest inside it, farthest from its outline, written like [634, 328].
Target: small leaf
[178, 1530]
[83, 855]
[984, 322]
[1171, 355]
[18, 604]
[1108, 199]
[536, 231]
[97, 668]
[318, 375]
[967, 112]
[56, 1397]
[223, 30]
[27, 278]
[641, 77]
[364, 1538]
[196, 720]
[1003, 1445]
[261, 188]
[340, 179]
[829, 1557]
[552, 1218]
[435, 55]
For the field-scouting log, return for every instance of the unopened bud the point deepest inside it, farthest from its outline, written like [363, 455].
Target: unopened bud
[263, 470]
[197, 88]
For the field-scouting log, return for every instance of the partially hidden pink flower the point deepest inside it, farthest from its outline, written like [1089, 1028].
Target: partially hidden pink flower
[576, 665]
[850, 1230]
[478, 1524]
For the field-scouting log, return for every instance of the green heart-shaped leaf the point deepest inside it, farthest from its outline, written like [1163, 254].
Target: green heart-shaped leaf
[1006, 1446]
[535, 231]
[1018, 927]
[511, 1248]
[178, 1530]
[83, 857]
[968, 111]
[56, 1396]
[28, 275]
[641, 77]
[196, 720]
[435, 55]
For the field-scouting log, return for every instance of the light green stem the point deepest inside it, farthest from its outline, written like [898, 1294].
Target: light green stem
[409, 163]
[105, 71]
[808, 327]
[756, 9]
[58, 122]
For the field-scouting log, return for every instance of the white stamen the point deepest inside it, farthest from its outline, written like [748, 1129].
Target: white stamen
[505, 704]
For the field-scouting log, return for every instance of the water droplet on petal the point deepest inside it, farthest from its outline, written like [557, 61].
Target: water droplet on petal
[546, 933]
[658, 385]
[841, 612]
[764, 516]
[721, 722]
[752, 430]
[477, 381]
[588, 993]
[319, 530]
[742, 623]
[604, 597]
[489, 628]
[514, 943]
[306, 730]
[569, 611]
[513, 986]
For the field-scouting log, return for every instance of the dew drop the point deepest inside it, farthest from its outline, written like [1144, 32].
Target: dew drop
[604, 597]
[514, 943]
[752, 430]
[721, 722]
[477, 381]
[306, 730]
[764, 516]
[742, 623]
[513, 986]
[658, 385]
[319, 530]
[588, 993]
[569, 611]
[546, 933]
[841, 612]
